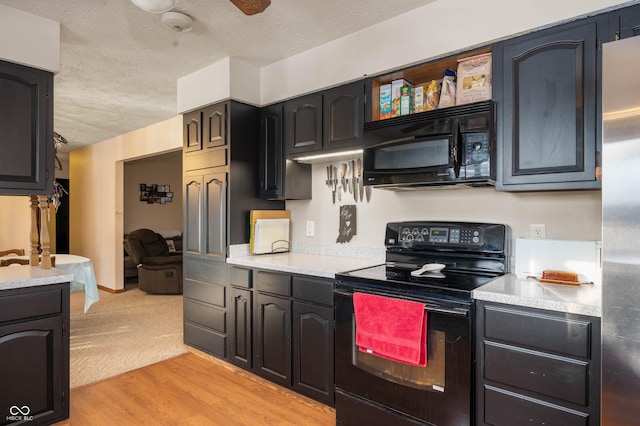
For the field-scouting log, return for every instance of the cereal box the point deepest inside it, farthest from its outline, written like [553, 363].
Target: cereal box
[385, 101]
[474, 79]
[418, 98]
[396, 85]
[406, 100]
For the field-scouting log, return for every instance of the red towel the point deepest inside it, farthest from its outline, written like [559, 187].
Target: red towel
[391, 328]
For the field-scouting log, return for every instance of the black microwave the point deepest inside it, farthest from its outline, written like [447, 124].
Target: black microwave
[451, 146]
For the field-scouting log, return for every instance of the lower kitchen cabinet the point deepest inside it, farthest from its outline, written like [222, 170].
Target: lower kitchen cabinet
[34, 347]
[205, 310]
[272, 327]
[287, 337]
[536, 367]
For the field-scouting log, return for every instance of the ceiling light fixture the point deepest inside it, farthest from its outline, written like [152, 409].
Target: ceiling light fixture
[177, 21]
[155, 6]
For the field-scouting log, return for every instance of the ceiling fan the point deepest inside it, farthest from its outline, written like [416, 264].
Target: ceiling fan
[248, 7]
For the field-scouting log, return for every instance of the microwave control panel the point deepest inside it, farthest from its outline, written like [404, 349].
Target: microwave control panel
[476, 147]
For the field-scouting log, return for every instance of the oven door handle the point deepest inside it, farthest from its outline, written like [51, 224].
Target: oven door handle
[460, 312]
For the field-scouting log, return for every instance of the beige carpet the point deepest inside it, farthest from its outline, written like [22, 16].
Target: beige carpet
[122, 332]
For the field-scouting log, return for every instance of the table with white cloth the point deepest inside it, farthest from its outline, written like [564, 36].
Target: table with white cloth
[84, 277]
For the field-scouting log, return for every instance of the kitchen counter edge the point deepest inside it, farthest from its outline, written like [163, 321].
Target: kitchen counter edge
[585, 299]
[14, 277]
[303, 263]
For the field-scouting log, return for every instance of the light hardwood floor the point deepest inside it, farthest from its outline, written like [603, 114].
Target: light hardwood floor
[192, 389]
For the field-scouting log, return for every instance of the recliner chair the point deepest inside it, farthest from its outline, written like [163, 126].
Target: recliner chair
[159, 271]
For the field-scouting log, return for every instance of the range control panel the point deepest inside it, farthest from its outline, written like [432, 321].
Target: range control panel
[439, 234]
[447, 236]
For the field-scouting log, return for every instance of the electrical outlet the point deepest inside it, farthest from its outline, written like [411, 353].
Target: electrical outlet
[538, 231]
[310, 228]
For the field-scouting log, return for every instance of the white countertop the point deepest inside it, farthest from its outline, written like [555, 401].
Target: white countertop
[585, 299]
[303, 263]
[21, 276]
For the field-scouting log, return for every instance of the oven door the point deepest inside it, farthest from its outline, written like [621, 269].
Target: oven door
[419, 160]
[439, 393]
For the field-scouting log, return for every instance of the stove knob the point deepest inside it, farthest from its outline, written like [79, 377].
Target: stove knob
[425, 231]
[415, 231]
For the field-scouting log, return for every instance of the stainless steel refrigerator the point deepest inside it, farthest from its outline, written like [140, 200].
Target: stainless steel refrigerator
[621, 233]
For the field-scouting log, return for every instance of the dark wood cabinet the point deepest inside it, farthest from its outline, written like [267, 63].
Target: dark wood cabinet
[546, 86]
[303, 124]
[219, 191]
[205, 128]
[280, 179]
[205, 214]
[287, 337]
[34, 344]
[272, 344]
[624, 23]
[536, 366]
[343, 117]
[26, 139]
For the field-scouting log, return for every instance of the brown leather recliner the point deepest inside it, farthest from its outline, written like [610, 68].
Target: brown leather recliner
[159, 271]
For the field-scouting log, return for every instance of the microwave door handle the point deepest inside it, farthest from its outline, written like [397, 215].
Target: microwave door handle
[455, 152]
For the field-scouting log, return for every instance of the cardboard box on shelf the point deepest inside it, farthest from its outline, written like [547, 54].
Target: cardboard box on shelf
[385, 101]
[474, 79]
[396, 86]
[406, 100]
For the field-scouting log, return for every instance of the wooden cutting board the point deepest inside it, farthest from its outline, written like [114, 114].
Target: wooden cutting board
[255, 215]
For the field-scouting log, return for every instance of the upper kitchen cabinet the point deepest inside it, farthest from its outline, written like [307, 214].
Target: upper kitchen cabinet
[280, 179]
[329, 121]
[26, 139]
[624, 23]
[205, 128]
[546, 88]
[303, 124]
[343, 117]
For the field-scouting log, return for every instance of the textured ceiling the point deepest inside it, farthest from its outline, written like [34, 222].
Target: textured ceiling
[120, 65]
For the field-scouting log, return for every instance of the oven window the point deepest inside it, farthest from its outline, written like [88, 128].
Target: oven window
[431, 377]
[412, 155]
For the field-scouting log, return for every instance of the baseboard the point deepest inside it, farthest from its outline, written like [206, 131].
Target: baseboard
[110, 290]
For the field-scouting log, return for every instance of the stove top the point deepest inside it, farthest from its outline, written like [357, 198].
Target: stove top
[473, 254]
[447, 284]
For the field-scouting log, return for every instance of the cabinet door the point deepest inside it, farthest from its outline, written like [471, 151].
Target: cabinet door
[214, 120]
[313, 363]
[240, 331]
[272, 334]
[205, 227]
[193, 196]
[215, 216]
[192, 131]
[26, 120]
[303, 124]
[630, 22]
[549, 137]
[343, 117]
[31, 371]
[271, 152]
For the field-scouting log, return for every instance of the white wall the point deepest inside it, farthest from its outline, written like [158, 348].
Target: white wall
[566, 214]
[161, 170]
[29, 39]
[416, 36]
[96, 182]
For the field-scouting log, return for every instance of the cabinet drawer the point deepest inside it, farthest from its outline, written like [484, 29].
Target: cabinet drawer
[19, 306]
[206, 315]
[202, 338]
[557, 377]
[240, 277]
[561, 335]
[213, 157]
[205, 270]
[205, 292]
[273, 282]
[315, 290]
[503, 408]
